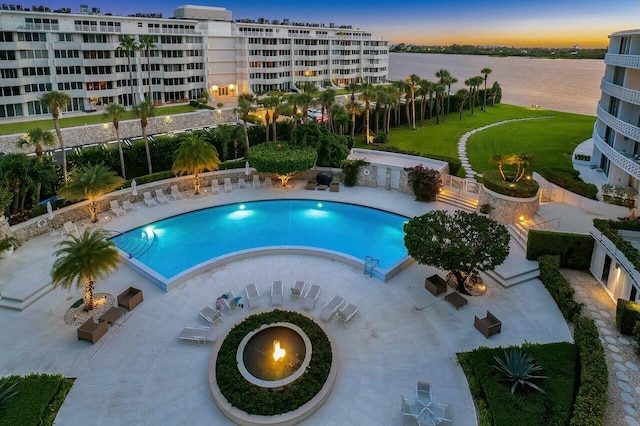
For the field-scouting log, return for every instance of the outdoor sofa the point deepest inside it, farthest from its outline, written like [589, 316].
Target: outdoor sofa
[130, 298]
[92, 331]
[488, 325]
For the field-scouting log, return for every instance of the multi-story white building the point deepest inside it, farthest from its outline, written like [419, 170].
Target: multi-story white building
[199, 49]
[617, 132]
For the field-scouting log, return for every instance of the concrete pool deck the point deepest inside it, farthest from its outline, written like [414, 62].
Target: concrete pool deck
[138, 373]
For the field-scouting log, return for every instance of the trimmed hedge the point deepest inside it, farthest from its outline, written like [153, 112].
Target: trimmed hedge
[558, 286]
[636, 335]
[525, 188]
[574, 249]
[627, 316]
[454, 164]
[570, 181]
[610, 227]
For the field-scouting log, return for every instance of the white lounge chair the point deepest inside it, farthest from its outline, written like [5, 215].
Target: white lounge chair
[215, 187]
[175, 192]
[276, 293]
[148, 199]
[267, 182]
[253, 297]
[441, 412]
[311, 297]
[256, 182]
[298, 289]
[70, 227]
[161, 197]
[116, 209]
[211, 315]
[347, 313]
[330, 308]
[411, 410]
[128, 205]
[227, 185]
[231, 301]
[423, 393]
[197, 335]
[241, 183]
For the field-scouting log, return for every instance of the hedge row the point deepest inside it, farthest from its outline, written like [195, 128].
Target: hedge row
[627, 316]
[454, 164]
[591, 397]
[574, 249]
[636, 335]
[610, 227]
[525, 188]
[570, 181]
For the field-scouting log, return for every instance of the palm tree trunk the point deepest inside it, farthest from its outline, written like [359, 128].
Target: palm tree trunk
[246, 137]
[133, 95]
[413, 110]
[146, 146]
[196, 184]
[120, 152]
[353, 126]
[56, 126]
[149, 71]
[93, 209]
[275, 136]
[367, 123]
[88, 293]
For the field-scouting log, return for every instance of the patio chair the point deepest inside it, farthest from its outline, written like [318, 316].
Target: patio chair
[276, 293]
[330, 308]
[197, 335]
[215, 187]
[297, 289]
[148, 199]
[441, 413]
[116, 209]
[128, 205]
[227, 185]
[231, 301]
[175, 192]
[488, 325]
[70, 227]
[311, 297]
[256, 182]
[253, 297]
[347, 313]
[162, 199]
[92, 331]
[423, 393]
[267, 182]
[211, 315]
[411, 410]
[241, 183]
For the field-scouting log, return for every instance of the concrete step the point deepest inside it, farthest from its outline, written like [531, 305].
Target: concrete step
[22, 302]
[509, 279]
[460, 200]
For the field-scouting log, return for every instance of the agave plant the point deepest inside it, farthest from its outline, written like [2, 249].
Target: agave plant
[7, 393]
[518, 368]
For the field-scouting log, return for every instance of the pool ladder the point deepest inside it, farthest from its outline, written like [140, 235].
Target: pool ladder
[370, 262]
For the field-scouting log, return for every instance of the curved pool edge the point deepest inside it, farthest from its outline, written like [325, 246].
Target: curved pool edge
[166, 284]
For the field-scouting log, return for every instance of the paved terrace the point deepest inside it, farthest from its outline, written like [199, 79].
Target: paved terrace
[138, 373]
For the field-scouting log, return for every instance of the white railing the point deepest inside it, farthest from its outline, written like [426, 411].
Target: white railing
[470, 186]
[626, 164]
[627, 95]
[622, 260]
[627, 61]
[620, 126]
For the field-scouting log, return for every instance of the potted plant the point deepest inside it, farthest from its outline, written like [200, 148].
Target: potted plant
[485, 209]
[7, 246]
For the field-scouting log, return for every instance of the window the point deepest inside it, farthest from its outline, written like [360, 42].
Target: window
[10, 91]
[8, 73]
[614, 106]
[31, 71]
[11, 110]
[32, 37]
[625, 44]
[65, 37]
[618, 76]
[6, 36]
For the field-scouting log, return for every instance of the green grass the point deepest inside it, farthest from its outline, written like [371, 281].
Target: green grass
[82, 120]
[39, 398]
[529, 407]
[551, 141]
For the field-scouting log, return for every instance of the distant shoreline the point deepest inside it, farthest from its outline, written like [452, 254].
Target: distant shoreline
[504, 52]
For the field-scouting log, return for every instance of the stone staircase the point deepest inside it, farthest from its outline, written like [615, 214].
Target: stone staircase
[21, 299]
[459, 199]
[509, 276]
[520, 230]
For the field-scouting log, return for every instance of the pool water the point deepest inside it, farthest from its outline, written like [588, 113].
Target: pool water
[184, 241]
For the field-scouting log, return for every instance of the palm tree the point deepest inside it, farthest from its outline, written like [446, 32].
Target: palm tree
[144, 111]
[37, 137]
[353, 109]
[83, 258]
[305, 100]
[499, 159]
[449, 81]
[245, 107]
[340, 118]
[129, 45]
[439, 89]
[443, 75]
[463, 95]
[353, 87]
[148, 42]
[485, 72]
[414, 82]
[91, 182]
[228, 134]
[276, 102]
[424, 90]
[368, 95]
[15, 172]
[266, 104]
[397, 89]
[57, 101]
[115, 112]
[194, 156]
[326, 99]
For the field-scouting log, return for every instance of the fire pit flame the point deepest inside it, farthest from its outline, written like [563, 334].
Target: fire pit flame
[278, 352]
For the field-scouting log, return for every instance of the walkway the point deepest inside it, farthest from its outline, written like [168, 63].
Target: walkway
[462, 143]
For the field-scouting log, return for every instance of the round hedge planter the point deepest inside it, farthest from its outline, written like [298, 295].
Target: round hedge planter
[525, 188]
[248, 404]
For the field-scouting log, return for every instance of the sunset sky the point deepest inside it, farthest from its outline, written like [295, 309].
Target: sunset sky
[553, 23]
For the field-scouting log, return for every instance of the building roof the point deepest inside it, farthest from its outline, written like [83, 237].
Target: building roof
[394, 159]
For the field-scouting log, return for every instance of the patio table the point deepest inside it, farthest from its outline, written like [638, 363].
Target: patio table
[112, 315]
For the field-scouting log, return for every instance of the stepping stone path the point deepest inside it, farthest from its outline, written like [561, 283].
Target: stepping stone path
[462, 143]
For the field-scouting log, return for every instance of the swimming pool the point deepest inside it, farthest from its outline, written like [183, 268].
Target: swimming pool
[180, 246]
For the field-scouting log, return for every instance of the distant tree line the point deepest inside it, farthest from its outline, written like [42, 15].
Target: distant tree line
[529, 52]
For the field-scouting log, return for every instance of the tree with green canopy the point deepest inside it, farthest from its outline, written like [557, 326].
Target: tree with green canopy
[129, 46]
[146, 43]
[37, 137]
[282, 159]
[83, 258]
[485, 73]
[56, 102]
[90, 182]
[194, 156]
[463, 243]
[244, 109]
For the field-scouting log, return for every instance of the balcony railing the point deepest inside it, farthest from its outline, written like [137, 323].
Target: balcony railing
[620, 126]
[619, 159]
[627, 61]
[622, 93]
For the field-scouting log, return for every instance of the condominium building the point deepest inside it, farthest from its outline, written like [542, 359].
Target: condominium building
[198, 49]
[616, 133]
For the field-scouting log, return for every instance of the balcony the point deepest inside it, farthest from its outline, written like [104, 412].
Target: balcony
[622, 127]
[622, 93]
[619, 159]
[626, 61]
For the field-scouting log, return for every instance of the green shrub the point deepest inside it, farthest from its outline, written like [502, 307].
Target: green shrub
[425, 183]
[570, 181]
[591, 398]
[525, 188]
[380, 138]
[627, 316]
[610, 227]
[454, 164]
[558, 286]
[350, 169]
[574, 249]
[636, 336]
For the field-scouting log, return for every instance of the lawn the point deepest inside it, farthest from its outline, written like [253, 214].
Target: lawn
[551, 140]
[82, 120]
